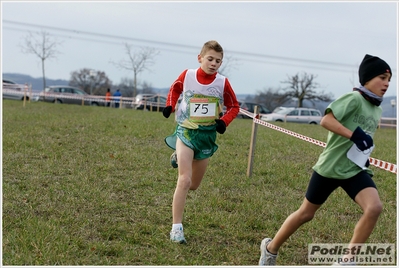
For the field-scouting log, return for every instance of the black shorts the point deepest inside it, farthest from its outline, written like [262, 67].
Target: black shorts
[320, 187]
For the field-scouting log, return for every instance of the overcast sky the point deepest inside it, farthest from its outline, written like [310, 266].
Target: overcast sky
[268, 41]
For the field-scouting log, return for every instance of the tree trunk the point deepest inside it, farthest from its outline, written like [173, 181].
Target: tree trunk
[44, 76]
[135, 85]
[300, 102]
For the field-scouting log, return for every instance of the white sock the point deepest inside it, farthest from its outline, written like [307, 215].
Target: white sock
[177, 226]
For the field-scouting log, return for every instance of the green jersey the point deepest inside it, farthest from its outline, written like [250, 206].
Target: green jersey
[351, 110]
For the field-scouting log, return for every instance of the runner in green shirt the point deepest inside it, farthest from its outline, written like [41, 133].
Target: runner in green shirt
[351, 120]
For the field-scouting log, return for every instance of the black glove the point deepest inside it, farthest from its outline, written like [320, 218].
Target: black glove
[367, 163]
[361, 139]
[220, 126]
[167, 111]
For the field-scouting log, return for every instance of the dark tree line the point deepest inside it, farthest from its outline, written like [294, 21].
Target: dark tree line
[300, 87]
[97, 82]
[92, 82]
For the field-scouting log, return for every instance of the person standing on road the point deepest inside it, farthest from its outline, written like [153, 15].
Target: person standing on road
[352, 120]
[198, 119]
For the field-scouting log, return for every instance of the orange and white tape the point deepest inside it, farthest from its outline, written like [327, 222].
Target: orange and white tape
[375, 162]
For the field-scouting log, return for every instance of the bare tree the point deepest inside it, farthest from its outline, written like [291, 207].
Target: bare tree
[138, 61]
[126, 86]
[271, 98]
[302, 87]
[42, 45]
[147, 88]
[95, 82]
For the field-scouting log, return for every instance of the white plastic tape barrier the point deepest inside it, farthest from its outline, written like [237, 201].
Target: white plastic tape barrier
[375, 162]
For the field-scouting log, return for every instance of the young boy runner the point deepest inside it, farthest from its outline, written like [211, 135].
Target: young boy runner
[203, 92]
[351, 119]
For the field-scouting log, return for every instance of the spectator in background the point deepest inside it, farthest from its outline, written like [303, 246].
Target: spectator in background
[117, 98]
[108, 98]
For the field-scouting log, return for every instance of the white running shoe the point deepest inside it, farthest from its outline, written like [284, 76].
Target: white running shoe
[177, 236]
[266, 258]
[173, 160]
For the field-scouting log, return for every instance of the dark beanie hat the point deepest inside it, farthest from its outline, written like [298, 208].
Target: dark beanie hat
[371, 67]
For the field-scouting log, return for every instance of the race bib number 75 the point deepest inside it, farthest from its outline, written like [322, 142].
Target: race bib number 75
[203, 110]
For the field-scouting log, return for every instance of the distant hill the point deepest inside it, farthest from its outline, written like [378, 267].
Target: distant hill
[37, 85]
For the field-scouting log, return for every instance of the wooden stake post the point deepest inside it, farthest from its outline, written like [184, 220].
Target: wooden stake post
[159, 100]
[30, 92]
[253, 142]
[25, 91]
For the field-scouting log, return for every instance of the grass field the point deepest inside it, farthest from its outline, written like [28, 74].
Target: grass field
[94, 186]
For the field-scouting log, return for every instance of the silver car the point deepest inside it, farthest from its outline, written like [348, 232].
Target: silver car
[14, 91]
[250, 107]
[296, 115]
[70, 95]
[150, 102]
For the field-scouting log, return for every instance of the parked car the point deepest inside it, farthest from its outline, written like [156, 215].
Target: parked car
[14, 91]
[70, 95]
[7, 82]
[296, 115]
[150, 102]
[250, 107]
[281, 108]
[140, 100]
